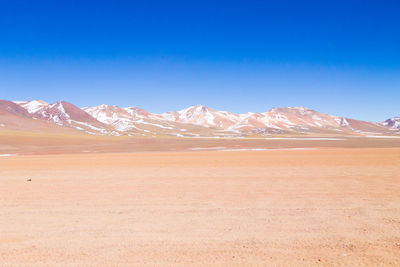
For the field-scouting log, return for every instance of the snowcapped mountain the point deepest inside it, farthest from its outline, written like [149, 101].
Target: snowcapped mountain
[137, 121]
[194, 121]
[15, 117]
[65, 114]
[138, 113]
[393, 123]
[115, 116]
[32, 106]
[203, 116]
[275, 121]
[301, 120]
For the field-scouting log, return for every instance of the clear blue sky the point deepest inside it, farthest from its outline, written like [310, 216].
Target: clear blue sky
[338, 57]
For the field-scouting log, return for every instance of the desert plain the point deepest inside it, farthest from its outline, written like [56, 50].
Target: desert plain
[170, 202]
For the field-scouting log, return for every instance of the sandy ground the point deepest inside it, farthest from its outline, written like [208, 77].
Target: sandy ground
[336, 206]
[26, 143]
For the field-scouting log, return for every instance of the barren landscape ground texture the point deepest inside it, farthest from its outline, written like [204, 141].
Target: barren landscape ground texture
[209, 203]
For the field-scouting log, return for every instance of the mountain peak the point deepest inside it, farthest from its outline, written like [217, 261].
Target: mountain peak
[103, 106]
[32, 106]
[300, 109]
[393, 123]
[201, 108]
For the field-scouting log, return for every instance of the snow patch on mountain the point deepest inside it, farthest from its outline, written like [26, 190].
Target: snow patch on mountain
[32, 106]
[393, 123]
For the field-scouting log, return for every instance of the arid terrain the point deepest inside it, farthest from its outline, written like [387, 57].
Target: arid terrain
[199, 133]
[133, 202]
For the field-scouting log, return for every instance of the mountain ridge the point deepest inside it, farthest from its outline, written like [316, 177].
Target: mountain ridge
[198, 121]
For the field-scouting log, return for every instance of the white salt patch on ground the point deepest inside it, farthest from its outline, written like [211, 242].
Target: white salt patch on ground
[301, 138]
[245, 149]
[8, 155]
[381, 136]
[248, 149]
[206, 148]
[202, 137]
[264, 149]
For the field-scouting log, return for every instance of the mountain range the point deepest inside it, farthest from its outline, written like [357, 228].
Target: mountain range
[194, 121]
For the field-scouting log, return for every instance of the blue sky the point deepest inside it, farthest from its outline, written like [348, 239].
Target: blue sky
[338, 57]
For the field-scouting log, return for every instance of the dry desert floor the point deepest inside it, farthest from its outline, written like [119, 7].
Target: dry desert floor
[326, 206]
